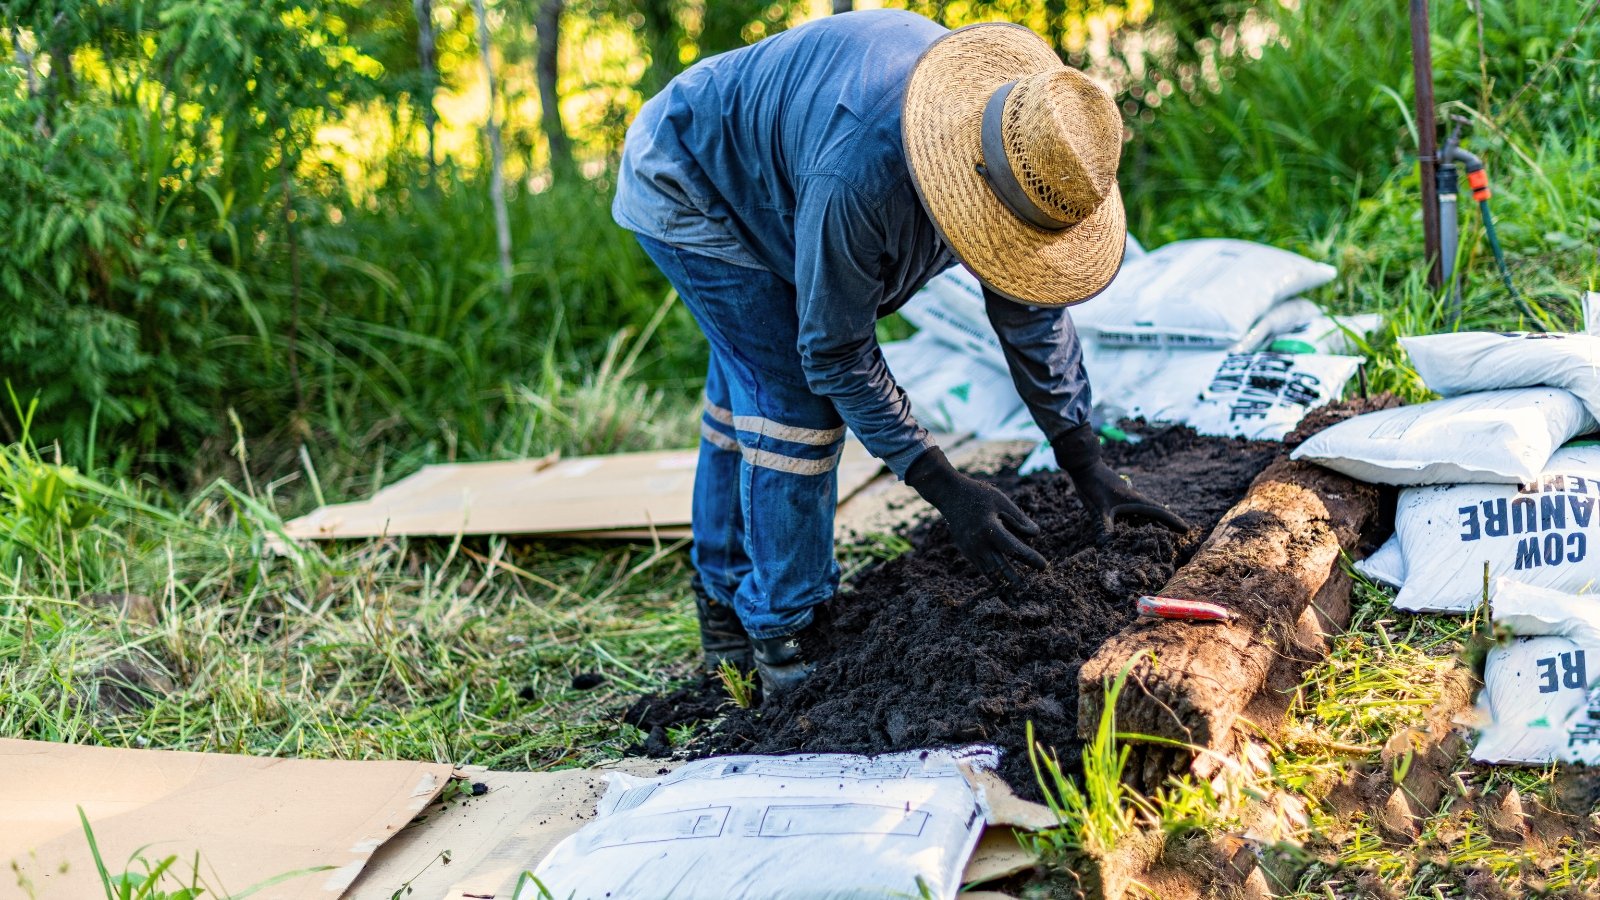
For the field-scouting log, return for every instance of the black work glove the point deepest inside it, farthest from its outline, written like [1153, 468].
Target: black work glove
[1105, 493]
[986, 525]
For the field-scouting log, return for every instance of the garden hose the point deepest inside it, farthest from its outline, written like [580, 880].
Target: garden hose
[1478, 181]
[1500, 260]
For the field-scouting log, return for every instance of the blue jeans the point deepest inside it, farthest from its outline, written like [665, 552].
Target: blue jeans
[767, 482]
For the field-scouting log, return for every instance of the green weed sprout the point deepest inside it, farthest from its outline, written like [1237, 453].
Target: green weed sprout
[741, 686]
[1097, 816]
[150, 883]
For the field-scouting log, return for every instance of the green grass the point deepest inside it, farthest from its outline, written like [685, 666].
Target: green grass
[166, 878]
[461, 651]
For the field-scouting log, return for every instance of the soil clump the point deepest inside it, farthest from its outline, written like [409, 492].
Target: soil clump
[922, 650]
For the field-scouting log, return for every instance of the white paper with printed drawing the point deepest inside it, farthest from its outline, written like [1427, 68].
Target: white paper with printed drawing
[1497, 436]
[815, 826]
[1544, 532]
[1541, 697]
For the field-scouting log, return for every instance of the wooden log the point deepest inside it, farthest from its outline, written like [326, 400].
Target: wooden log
[1274, 561]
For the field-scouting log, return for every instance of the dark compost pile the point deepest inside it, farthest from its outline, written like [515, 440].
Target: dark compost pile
[923, 651]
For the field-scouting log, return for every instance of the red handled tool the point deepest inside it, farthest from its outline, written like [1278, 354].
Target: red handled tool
[1153, 607]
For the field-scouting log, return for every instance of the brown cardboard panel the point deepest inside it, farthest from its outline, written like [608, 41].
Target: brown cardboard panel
[999, 855]
[1005, 807]
[624, 496]
[492, 839]
[519, 497]
[251, 819]
[888, 504]
[664, 535]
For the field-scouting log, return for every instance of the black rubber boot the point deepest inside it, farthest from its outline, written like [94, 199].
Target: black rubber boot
[781, 662]
[722, 635]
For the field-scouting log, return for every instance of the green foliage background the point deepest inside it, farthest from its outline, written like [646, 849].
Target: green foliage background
[184, 261]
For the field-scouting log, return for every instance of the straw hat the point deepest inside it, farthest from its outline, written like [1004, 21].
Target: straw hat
[1015, 158]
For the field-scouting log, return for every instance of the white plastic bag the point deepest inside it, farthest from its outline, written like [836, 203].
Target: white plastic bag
[1387, 564]
[1326, 334]
[1534, 707]
[1468, 361]
[1540, 702]
[952, 391]
[1263, 396]
[1544, 533]
[1019, 426]
[1160, 385]
[950, 307]
[808, 827]
[1204, 293]
[1495, 436]
[1290, 315]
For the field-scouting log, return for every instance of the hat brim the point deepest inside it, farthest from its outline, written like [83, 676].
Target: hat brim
[941, 129]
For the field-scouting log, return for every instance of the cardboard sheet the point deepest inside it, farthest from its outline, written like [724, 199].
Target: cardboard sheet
[251, 819]
[623, 495]
[493, 838]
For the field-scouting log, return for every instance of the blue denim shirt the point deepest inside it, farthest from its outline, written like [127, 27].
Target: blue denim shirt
[786, 156]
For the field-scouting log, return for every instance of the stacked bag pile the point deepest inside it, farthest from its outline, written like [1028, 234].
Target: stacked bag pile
[1209, 333]
[1498, 499]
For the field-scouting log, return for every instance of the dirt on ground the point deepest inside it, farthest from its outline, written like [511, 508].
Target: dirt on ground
[924, 651]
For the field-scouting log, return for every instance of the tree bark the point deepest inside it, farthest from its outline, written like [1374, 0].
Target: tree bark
[430, 78]
[497, 153]
[284, 169]
[843, 6]
[59, 87]
[547, 67]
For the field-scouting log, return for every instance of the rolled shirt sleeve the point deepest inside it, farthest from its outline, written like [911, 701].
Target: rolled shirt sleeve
[1046, 361]
[840, 258]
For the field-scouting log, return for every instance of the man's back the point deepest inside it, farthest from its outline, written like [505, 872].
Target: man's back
[718, 160]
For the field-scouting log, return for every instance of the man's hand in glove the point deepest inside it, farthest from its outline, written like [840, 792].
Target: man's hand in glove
[1104, 492]
[985, 524]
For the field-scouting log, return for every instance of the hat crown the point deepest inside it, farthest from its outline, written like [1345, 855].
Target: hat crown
[1063, 139]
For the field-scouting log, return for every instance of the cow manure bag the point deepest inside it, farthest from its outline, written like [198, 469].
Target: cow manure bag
[1539, 701]
[1544, 532]
[1493, 437]
[1469, 361]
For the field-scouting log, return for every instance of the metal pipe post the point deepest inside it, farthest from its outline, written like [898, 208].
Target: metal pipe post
[1427, 140]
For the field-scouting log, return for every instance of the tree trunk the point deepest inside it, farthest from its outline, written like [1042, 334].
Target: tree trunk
[843, 6]
[497, 153]
[430, 78]
[548, 69]
[661, 33]
[25, 59]
[59, 88]
[284, 168]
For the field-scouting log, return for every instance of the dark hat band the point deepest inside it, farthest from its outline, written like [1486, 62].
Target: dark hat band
[996, 167]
